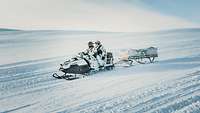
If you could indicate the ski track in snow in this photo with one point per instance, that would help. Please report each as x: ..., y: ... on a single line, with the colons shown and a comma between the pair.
x: 181, y: 94
x: 171, y: 84
x: 163, y: 97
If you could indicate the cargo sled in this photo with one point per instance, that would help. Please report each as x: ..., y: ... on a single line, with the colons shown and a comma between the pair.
x: 141, y: 56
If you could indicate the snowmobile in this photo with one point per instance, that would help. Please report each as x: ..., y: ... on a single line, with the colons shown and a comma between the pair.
x: 80, y: 66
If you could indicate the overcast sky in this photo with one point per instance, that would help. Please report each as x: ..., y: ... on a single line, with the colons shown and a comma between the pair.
x: 100, y: 15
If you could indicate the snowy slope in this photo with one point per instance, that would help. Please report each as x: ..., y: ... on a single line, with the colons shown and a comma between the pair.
x: 28, y: 59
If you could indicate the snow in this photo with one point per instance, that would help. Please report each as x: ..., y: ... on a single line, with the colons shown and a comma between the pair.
x: 29, y: 58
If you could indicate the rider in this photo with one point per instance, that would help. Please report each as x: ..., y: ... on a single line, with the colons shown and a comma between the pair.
x: 100, y: 53
x: 91, y: 54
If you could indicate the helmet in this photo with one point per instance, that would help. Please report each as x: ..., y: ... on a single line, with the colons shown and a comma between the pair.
x: 98, y: 42
x: 90, y: 44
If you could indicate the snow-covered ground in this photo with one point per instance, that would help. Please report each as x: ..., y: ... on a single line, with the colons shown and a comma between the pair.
x: 28, y: 59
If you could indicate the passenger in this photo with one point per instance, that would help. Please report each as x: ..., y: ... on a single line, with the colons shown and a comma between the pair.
x: 100, y: 53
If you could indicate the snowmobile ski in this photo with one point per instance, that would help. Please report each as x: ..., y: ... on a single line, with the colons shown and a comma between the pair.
x: 66, y: 76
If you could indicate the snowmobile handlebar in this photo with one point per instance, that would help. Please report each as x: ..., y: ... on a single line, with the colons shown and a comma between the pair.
x: 82, y: 54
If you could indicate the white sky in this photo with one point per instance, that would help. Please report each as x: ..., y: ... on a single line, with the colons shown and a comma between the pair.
x: 84, y: 15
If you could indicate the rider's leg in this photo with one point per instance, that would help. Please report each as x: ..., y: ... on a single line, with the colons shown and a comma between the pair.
x: 94, y: 64
x: 100, y: 61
